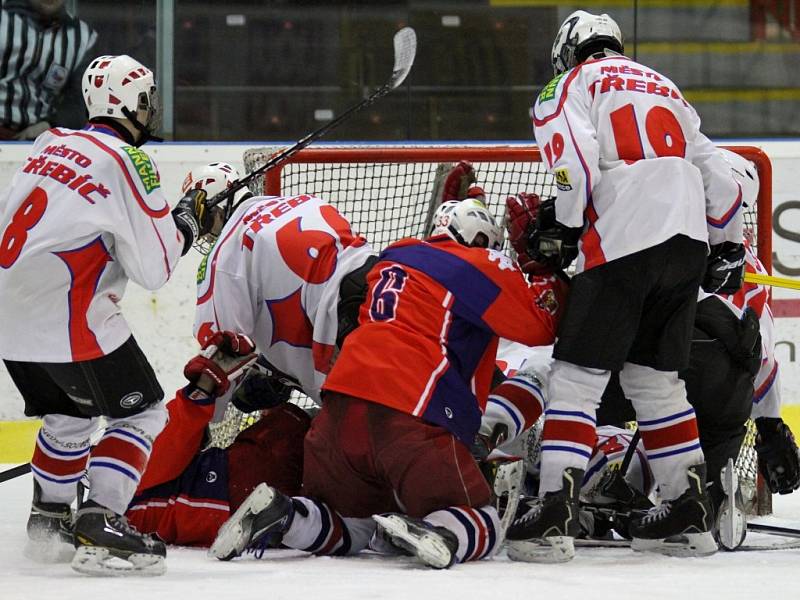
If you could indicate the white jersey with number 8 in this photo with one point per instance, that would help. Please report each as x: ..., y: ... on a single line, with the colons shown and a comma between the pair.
x: 274, y: 274
x: 84, y: 214
x: 630, y: 162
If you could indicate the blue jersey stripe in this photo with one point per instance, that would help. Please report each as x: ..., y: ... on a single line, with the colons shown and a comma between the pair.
x: 473, y: 291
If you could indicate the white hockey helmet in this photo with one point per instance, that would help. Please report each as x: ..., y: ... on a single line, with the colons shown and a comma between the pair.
x: 744, y: 172
x: 214, y: 178
x: 471, y: 224
x: 441, y: 218
x: 119, y: 87
x: 581, y: 32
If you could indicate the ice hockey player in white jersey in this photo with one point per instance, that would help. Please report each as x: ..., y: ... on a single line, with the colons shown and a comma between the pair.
x: 286, y: 271
x: 82, y: 216
x: 641, y: 195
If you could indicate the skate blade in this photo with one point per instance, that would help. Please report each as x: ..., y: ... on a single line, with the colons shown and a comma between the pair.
x: 429, y: 548
x: 683, y: 545
x: 99, y: 562
x: 48, y: 551
x: 552, y: 549
x: 732, y: 519
x: 233, y: 536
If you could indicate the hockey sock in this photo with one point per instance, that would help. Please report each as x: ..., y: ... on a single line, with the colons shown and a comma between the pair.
x: 117, y: 462
x: 518, y: 403
x: 476, y: 529
x: 668, y: 425
x: 318, y: 529
x: 569, y: 431
x: 59, y: 460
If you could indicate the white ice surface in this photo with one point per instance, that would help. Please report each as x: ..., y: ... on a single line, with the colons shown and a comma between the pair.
x: 614, y: 574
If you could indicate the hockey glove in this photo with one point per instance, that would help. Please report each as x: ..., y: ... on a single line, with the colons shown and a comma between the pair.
x: 192, y: 217
x: 778, y: 455
x: 458, y: 181
x: 482, y: 447
x: 521, y: 213
x: 263, y: 387
x: 224, y: 358
x: 724, y: 269
x: 550, y: 243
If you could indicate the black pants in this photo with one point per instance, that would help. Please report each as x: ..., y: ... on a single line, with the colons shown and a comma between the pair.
x: 725, y: 355
x: 639, y: 308
x: 116, y: 385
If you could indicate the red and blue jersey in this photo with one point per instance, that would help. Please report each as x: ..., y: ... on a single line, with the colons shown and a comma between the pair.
x: 429, y: 330
x: 183, y: 495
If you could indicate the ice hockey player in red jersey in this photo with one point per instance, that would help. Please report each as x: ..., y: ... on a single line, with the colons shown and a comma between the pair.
x: 82, y: 216
x: 191, y: 487
x: 641, y: 195
x: 403, y: 403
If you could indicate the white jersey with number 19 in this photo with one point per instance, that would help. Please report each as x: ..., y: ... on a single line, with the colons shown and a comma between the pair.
x: 274, y: 274
x: 630, y: 162
x: 84, y: 214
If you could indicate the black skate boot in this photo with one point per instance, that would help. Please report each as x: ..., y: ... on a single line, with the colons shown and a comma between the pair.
x: 545, y: 528
x: 108, y: 545
x: 434, y: 546
x: 50, y: 530
x: 681, y: 527
x: 261, y: 520
x: 731, y: 522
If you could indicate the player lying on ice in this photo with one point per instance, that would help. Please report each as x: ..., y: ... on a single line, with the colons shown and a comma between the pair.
x: 402, y: 404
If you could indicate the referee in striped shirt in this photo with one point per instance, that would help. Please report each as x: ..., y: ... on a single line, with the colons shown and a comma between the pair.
x: 43, y: 53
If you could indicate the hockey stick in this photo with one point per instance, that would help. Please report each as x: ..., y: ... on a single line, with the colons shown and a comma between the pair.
x: 631, y: 450
x: 774, y: 530
x: 771, y: 280
x: 15, y: 472
x: 405, y: 49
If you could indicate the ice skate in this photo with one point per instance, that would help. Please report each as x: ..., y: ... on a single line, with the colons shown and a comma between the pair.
x: 546, y: 531
x: 107, y: 545
x: 681, y: 527
x: 50, y: 530
x: 265, y: 511
x: 731, y: 523
x: 434, y: 546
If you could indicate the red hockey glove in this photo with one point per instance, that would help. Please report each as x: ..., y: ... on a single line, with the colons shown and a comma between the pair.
x: 458, y: 181
x: 521, y: 211
x: 224, y: 358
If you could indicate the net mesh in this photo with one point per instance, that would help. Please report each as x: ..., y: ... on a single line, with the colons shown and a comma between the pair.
x: 391, y: 192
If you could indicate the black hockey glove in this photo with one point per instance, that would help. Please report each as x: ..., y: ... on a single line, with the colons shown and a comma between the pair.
x: 778, y: 455
x: 264, y: 387
x: 724, y: 269
x: 192, y: 217
x: 482, y: 447
x: 551, y: 243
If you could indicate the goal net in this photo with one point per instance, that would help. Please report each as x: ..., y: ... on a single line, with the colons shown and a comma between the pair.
x: 388, y: 192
